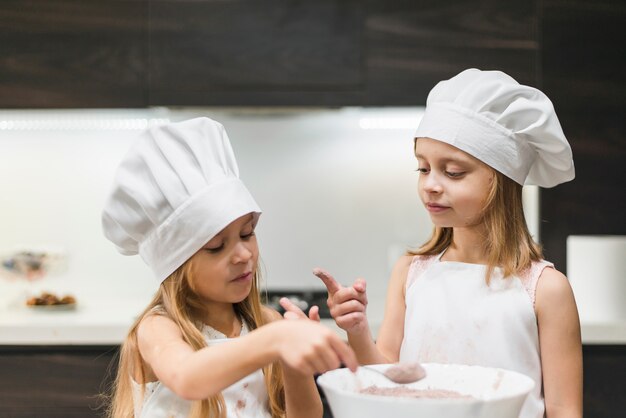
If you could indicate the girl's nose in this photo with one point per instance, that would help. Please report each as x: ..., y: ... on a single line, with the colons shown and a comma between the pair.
x: 431, y: 183
x: 241, y: 253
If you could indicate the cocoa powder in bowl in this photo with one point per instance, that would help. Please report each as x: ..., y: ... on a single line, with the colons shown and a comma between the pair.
x: 406, y: 392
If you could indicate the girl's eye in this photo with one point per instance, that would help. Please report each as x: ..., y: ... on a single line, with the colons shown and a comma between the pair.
x: 215, y: 250
x: 454, y: 174
x: 247, y: 236
x: 422, y: 170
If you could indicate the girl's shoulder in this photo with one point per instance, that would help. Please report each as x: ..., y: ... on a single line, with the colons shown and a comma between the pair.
x: 402, y: 266
x: 421, y: 261
x: 417, y: 264
x: 270, y: 314
x: 543, y: 281
x: 402, y: 271
x: 156, y: 325
x: 412, y: 261
x: 552, y: 284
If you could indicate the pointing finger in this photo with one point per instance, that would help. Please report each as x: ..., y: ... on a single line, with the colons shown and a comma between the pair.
x: 329, y: 281
x: 291, y: 310
x: 346, y: 355
x: 291, y: 315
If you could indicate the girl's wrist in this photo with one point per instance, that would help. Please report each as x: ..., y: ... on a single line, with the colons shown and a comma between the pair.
x: 272, y: 335
x: 361, y: 342
x: 362, y: 329
x: 360, y: 334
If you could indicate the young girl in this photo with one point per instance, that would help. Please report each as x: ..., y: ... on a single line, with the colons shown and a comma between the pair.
x: 478, y: 292
x: 198, y: 348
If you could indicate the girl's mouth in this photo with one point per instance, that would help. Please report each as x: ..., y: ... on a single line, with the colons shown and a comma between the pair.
x: 435, y: 208
x: 246, y: 277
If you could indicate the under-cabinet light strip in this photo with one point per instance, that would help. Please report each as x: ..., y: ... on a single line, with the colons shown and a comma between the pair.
x: 388, y: 123
x: 80, y: 124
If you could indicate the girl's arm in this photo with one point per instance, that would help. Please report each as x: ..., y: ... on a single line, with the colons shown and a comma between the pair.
x: 391, y: 331
x: 302, y: 400
x: 560, y: 345
x: 348, y: 304
x: 302, y: 345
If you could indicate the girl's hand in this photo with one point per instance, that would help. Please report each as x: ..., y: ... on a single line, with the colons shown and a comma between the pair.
x: 292, y: 311
x: 311, y: 348
x: 347, y: 304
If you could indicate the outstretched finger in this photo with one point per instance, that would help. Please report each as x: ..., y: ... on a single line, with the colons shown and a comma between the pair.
x: 329, y: 281
x: 346, y: 354
x: 314, y: 313
x: 291, y: 310
x: 291, y: 315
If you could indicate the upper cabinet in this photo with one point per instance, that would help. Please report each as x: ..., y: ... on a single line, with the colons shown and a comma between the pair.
x: 256, y: 52
x: 73, y: 53
x: 135, y: 53
x: 411, y: 45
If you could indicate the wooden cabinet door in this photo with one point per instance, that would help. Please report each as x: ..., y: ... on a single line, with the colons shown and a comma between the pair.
x: 73, y: 53
x: 412, y: 45
x: 136, y: 53
x: 54, y: 382
x: 255, y: 52
x: 331, y: 52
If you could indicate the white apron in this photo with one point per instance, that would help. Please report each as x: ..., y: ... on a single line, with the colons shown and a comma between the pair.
x: 452, y: 316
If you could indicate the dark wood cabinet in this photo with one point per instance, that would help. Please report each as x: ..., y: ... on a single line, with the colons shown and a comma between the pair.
x: 136, y: 53
x: 412, y: 45
x: 330, y: 52
x: 604, y: 367
x: 583, y: 73
x: 73, y: 53
x: 255, y: 52
x: 68, y: 381
x: 55, y: 382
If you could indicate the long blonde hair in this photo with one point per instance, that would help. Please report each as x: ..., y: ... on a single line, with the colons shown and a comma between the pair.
x: 177, y: 300
x: 507, y: 242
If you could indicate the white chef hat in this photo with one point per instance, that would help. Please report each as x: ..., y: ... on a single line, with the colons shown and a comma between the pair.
x: 511, y: 127
x: 176, y: 188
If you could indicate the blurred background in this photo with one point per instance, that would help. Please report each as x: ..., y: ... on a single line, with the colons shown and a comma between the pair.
x: 320, y: 100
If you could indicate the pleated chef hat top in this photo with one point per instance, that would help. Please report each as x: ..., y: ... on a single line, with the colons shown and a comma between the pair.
x: 177, y: 187
x: 510, y: 127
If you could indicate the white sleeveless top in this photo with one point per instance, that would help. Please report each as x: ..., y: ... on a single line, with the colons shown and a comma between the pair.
x: 246, y: 398
x: 452, y: 316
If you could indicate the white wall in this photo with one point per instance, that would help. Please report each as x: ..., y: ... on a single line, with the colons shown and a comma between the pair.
x: 335, y: 194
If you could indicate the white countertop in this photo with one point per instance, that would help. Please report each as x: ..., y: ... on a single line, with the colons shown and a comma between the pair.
x: 99, y: 324
x: 88, y: 324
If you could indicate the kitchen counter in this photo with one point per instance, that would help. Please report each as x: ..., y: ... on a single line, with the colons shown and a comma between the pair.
x: 91, y: 323
x: 100, y: 324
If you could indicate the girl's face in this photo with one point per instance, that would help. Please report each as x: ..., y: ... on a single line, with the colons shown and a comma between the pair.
x: 224, y: 268
x: 453, y: 185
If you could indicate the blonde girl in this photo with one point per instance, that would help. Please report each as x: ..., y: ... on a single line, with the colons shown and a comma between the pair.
x: 479, y: 291
x: 205, y: 346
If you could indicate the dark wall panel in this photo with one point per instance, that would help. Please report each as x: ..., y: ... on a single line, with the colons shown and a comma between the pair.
x: 411, y: 45
x: 583, y: 73
x: 81, y: 53
x: 134, y: 53
x: 254, y: 52
x: 51, y: 382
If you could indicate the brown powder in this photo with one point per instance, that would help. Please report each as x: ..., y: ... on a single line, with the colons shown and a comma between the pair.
x: 406, y: 392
